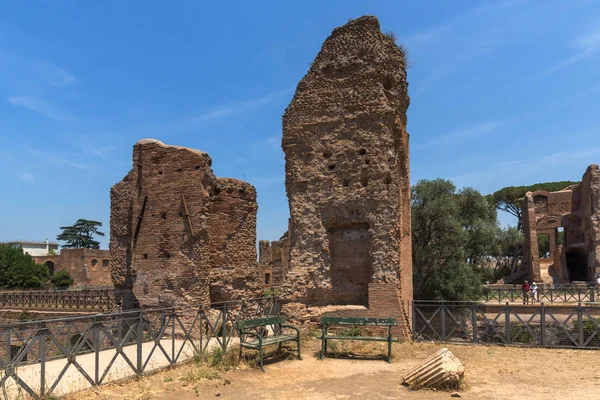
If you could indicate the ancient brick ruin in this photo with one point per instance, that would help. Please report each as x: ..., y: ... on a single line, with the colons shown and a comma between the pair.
x: 179, y: 235
x: 347, y: 175
x: 87, y: 267
x: 575, y: 209
x: 274, y: 260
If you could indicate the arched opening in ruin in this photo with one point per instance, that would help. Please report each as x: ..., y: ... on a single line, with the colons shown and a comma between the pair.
x: 50, y: 266
x: 577, y: 264
x: 350, y: 264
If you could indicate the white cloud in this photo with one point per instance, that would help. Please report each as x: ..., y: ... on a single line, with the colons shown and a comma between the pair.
x: 27, y: 176
x: 55, y: 159
x: 53, y: 74
x: 585, y: 46
x: 462, y: 134
x: 6, y: 157
x: 236, y: 108
x: 40, y: 106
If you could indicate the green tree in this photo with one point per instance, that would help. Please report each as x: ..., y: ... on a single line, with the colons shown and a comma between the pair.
x: 454, y: 235
x: 18, y: 270
x: 508, y: 199
x: 81, y: 234
x: 62, y: 279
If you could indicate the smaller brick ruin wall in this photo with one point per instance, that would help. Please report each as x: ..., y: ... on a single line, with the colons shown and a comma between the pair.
x: 179, y: 235
x: 273, y: 260
x: 88, y: 267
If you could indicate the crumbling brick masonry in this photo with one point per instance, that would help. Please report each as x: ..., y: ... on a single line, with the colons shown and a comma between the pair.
x: 347, y: 175
x: 179, y: 235
x: 577, y: 210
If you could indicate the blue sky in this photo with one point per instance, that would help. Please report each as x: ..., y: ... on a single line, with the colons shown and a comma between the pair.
x: 502, y: 93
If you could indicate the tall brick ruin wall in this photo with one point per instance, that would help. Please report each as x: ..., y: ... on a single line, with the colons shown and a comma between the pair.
x: 179, y: 235
x: 347, y: 173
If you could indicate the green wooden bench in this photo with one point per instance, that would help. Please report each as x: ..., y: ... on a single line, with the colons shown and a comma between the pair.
x: 326, y: 322
x: 258, y: 341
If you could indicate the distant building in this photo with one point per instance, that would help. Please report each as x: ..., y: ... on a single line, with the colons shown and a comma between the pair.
x: 36, y: 248
x: 87, y: 267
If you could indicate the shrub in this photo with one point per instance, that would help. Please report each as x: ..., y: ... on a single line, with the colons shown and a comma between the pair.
x: 62, y: 279
x: 19, y: 271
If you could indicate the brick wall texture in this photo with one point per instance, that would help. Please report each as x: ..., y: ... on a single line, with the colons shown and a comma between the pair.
x: 347, y: 174
x: 179, y: 235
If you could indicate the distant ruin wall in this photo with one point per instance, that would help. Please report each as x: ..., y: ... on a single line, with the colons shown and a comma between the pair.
x: 87, y: 267
x: 177, y: 231
x: 576, y: 209
x: 347, y: 172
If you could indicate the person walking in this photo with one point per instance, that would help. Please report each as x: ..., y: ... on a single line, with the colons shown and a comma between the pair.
x: 525, y: 288
x: 533, y: 291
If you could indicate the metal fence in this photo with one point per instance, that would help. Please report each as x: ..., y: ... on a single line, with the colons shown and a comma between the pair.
x: 69, y: 354
x: 562, y: 294
x: 94, y: 299
x: 567, y: 326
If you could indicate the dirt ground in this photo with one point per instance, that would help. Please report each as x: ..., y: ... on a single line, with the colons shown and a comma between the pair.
x: 491, y: 373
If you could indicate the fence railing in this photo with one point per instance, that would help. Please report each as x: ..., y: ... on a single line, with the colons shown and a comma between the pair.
x: 60, y: 356
x: 94, y: 299
x: 550, y: 295
x: 570, y: 326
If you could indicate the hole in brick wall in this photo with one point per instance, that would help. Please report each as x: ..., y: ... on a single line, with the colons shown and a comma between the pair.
x: 362, y: 152
x: 105, y: 263
x: 179, y: 169
x: 197, y: 167
x: 267, y: 278
x: 387, y: 179
x: 145, y: 256
x: 180, y: 214
x: 242, y: 191
x: 367, y: 161
x: 388, y: 83
x: 165, y: 254
x: 331, y: 167
x: 326, y: 154
x: 364, y: 182
x: 163, y: 215
x: 94, y: 262
x: 216, y: 191
x: 160, y: 172
x: 345, y: 182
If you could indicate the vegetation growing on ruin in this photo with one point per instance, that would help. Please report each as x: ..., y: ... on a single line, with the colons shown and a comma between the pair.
x: 80, y: 235
x: 18, y: 270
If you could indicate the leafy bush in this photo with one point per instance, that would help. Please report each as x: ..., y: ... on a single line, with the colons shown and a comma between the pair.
x: 18, y: 270
x: 62, y: 279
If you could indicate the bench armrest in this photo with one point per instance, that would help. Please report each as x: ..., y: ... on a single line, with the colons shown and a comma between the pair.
x: 292, y: 327
x: 243, y: 332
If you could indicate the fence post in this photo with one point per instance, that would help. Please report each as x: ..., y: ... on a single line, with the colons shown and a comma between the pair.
x: 173, y: 335
x: 96, y: 344
x: 224, y: 328
x: 592, y: 294
x: 140, y: 333
x: 443, y: 322
x: 42, y: 339
x: 507, y: 323
x: 474, y: 323
x: 580, y: 324
x: 543, y: 324
x: 414, y: 326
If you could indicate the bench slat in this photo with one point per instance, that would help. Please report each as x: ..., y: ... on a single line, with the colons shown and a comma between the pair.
x: 370, y: 338
x: 253, y: 323
x: 269, y: 340
x: 358, y: 321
